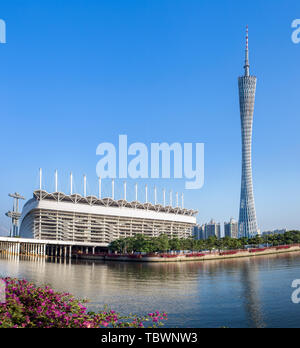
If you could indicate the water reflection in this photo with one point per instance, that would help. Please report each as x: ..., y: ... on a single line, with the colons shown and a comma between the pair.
x: 231, y: 292
x: 250, y: 281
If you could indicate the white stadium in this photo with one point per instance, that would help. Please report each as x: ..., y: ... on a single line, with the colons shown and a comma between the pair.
x: 91, y: 219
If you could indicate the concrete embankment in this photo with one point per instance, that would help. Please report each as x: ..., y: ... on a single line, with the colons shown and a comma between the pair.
x: 191, y: 257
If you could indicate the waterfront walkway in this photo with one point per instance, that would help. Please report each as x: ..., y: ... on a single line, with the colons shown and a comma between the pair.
x: 215, y: 255
x: 98, y: 251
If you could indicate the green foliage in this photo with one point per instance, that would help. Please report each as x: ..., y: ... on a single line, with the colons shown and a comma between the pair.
x: 162, y: 243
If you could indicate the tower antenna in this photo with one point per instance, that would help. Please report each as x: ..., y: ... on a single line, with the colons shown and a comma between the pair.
x: 247, y: 66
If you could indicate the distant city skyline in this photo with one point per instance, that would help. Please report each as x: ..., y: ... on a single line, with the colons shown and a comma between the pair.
x: 81, y: 74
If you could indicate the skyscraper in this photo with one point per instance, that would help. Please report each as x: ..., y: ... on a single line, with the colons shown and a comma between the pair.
x: 247, y: 87
x: 199, y: 232
x: 231, y: 229
x: 212, y: 229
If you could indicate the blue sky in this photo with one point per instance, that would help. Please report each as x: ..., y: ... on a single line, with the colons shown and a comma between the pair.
x: 78, y: 73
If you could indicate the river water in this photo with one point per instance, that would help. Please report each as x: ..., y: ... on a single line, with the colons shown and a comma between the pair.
x: 246, y: 292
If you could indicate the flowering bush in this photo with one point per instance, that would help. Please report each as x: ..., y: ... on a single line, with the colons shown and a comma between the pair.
x: 168, y: 255
x: 29, y: 306
x: 195, y: 255
x: 134, y: 256
x: 257, y: 250
x: 283, y: 247
x: 231, y: 252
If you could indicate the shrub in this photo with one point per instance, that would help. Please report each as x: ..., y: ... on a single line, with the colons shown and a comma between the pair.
x: 29, y: 306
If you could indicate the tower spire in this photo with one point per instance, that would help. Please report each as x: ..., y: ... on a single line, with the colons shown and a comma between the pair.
x: 247, y: 87
x: 247, y: 66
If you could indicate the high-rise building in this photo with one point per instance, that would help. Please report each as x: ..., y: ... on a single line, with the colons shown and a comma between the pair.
x: 247, y: 87
x: 231, y: 229
x: 282, y: 231
x: 212, y: 229
x: 199, y: 232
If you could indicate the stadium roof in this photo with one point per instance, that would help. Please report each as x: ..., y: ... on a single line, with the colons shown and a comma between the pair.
x: 109, y: 202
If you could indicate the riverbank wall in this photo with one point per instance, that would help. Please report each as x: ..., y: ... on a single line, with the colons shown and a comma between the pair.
x: 192, y: 256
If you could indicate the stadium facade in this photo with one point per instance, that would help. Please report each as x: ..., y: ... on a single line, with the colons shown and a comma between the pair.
x: 91, y: 219
x: 247, y: 87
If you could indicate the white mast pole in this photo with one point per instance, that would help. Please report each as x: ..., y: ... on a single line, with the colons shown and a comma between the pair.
x: 99, y: 187
x: 56, y: 180
x: 170, y: 203
x: 125, y: 191
x: 155, y: 195
x: 40, y: 178
x: 182, y: 201
x: 84, y: 185
x: 136, y: 192
x: 113, y: 188
x: 164, y: 197
x: 146, y: 193
x: 71, y: 183
x: 176, y: 199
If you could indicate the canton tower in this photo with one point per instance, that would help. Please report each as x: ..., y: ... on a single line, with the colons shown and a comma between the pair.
x: 247, y: 87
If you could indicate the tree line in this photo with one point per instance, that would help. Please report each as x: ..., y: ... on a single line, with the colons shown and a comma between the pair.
x: 162, y: 243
